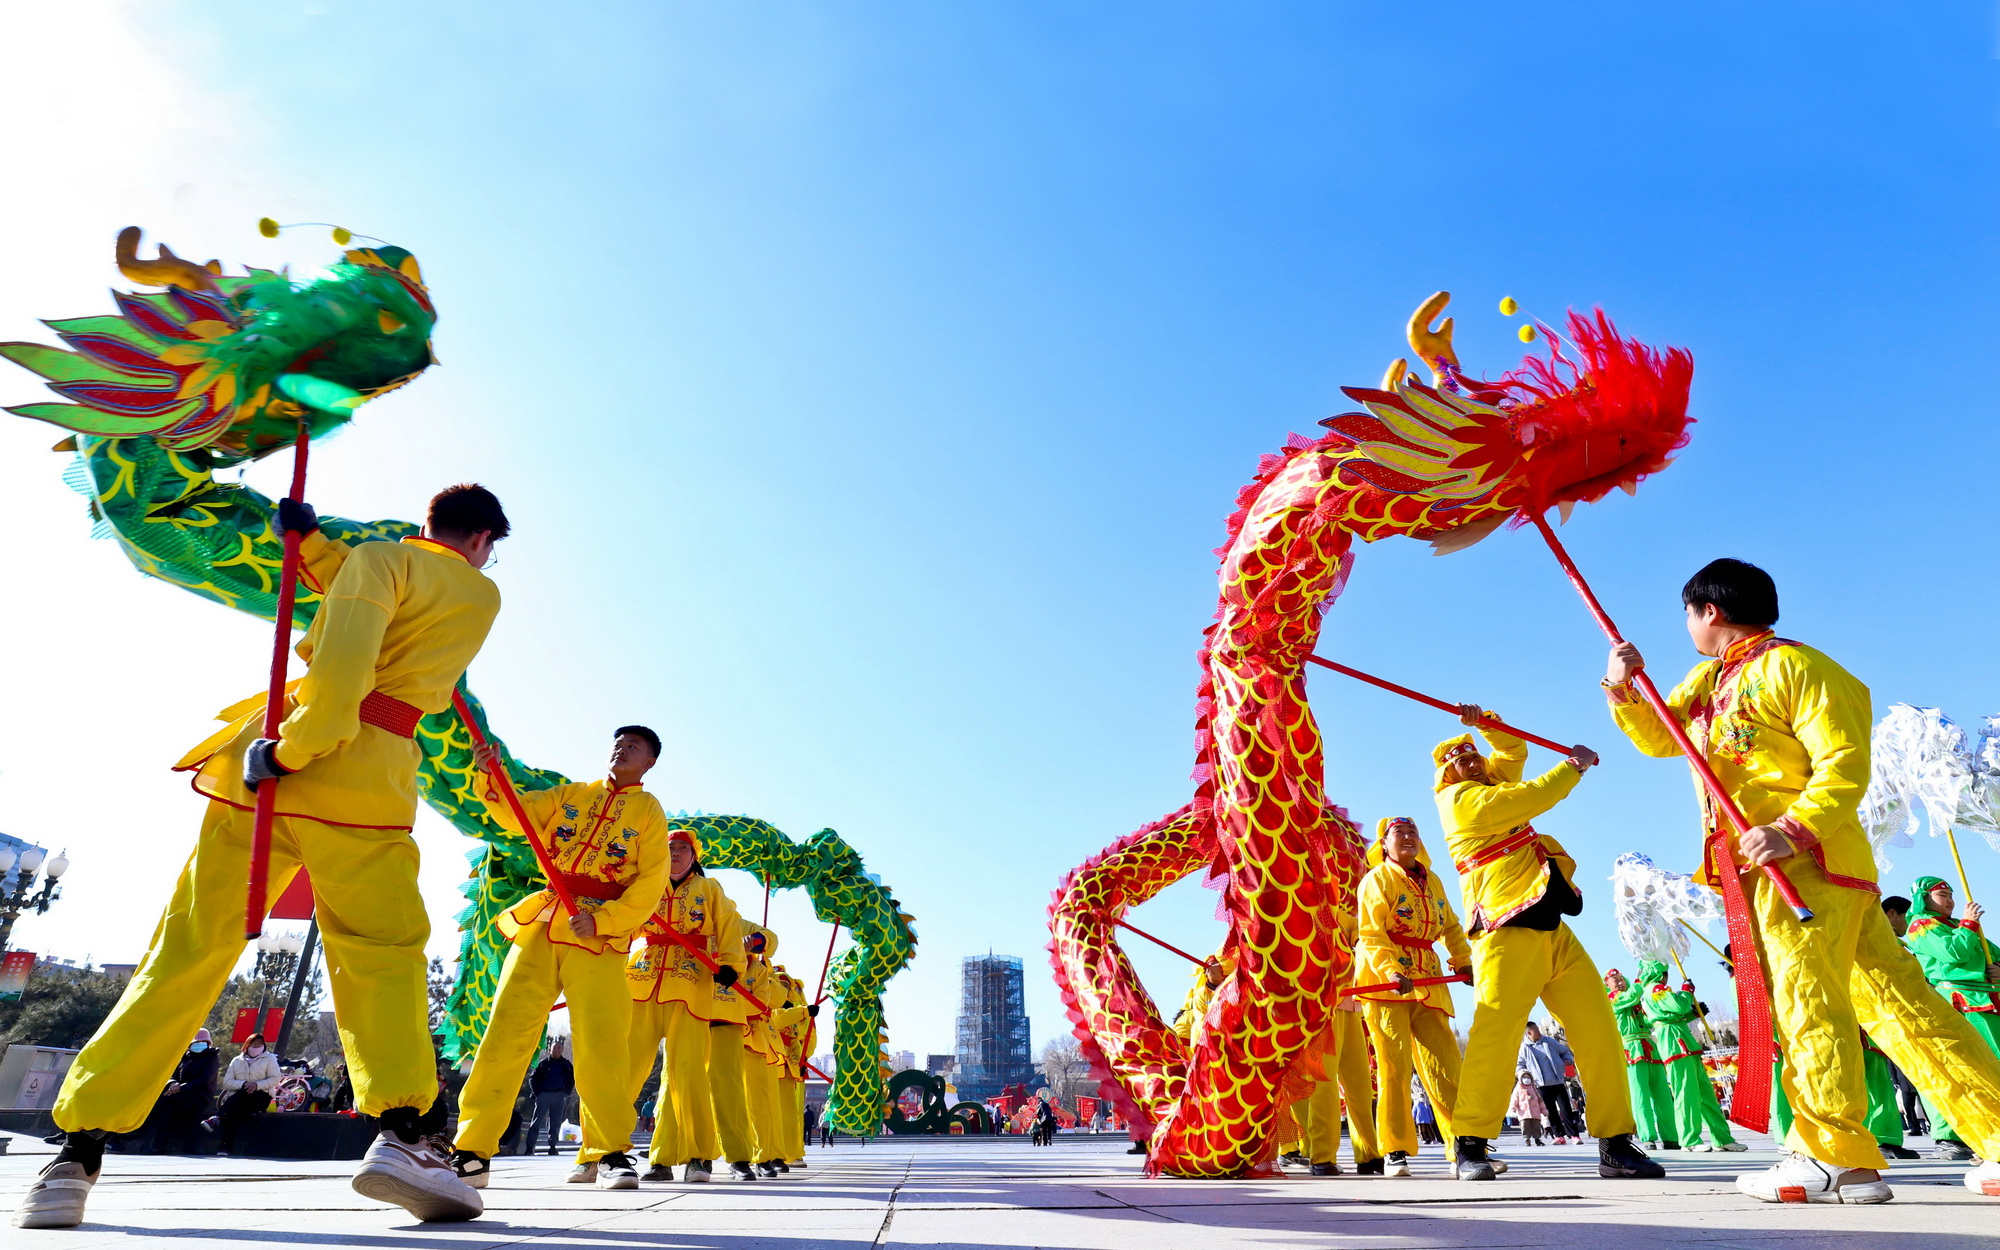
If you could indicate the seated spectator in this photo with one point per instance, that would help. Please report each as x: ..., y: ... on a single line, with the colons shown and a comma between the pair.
x: 246, y: 1089
x: 188, y: 1097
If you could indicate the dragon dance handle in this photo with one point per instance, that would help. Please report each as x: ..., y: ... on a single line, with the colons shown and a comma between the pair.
x: 1716, y: 789
x: 701, y: 956
x: 1457, y: 978
x: 513, y: 797
x: 256, y: 901
x: 1485, y: 722
x: 1198, y: 962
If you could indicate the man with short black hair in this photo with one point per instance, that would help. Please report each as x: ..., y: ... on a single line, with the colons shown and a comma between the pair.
x: 1787, y: 731
x: 394, y: 631
x: 608, y: 840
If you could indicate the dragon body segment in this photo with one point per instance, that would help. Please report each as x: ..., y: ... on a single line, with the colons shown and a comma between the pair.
x: 218, y: 370
x: 1447, y: 462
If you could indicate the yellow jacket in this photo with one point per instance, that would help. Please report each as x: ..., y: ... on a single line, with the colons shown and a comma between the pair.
x: 1786, y: 730
x: 1194, y: 1009
x: 663, y: 971
x: 788, y: 1021
x: 1503, y: 869
x: 761, y: 1031
x: 1401, y: 919
x: 402, y: 618
x: 616, y: 836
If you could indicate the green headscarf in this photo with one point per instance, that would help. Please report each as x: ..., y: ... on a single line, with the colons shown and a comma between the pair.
x: 1652, y: 972
x: 1920, y: 898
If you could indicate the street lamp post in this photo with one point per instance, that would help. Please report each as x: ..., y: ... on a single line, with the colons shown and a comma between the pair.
x: 29, y: 863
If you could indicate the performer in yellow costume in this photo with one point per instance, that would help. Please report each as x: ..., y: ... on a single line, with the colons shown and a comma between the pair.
x: 1402, y: 912
x: 1786, y: 729
x: 1350, y: 1078
x: 398, y: 626
x: 1517, y: 887
x: 726, y: 1015
x: 791, y: 1080
x: 609, y: 843
x: 763, y: 1057
x: 667, y: 985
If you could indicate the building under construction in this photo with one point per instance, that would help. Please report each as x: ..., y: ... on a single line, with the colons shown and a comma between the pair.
x: 992, y: 1029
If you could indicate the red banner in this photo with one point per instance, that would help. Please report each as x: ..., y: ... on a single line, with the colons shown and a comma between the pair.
x: 246, y: 1024
x: 1086, y: 1109
x: 14, y: 971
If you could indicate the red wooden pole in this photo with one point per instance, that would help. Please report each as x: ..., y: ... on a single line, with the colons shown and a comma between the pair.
x: 507, y: 791
x: 1666, y: 714
x: 256, y: 902
x: 1464, y: 978
x: 826, y: 965
x: 1485, y: 722
x: 1157, y: 942
x: 1751, y: 1105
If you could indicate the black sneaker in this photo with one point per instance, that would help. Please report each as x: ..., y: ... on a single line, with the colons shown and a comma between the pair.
x: 659, y: 1173
x: 617, y: 1171
x: 1369, y: 1167
x: 1326, y: 1169
x: 781, y: 1165
x: 1670, y: 1145
x: 1898, y: 1152
x: 741, y: 1171
x: 767, y: 1171
x: 1138, y: 1148
x: 471, y: 1169
x: 1293, y: 1158
x: 1397, y: 1164
x: 1953, y: 1150
x: 1619, y: 1158
x: 1471, y: 1161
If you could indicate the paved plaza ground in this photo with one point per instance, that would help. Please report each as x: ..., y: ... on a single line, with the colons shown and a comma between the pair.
x: 1079, y: 1195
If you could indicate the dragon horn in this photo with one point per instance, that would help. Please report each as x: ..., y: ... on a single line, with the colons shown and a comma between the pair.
x: 1393, y: 376
x: 167, y: 270
x: 1433, y: 347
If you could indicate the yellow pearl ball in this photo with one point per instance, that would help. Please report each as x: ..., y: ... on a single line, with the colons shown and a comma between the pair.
x: 1527, y: 334
x: 342, y: 235
x: 1508, y: 307
x: 268, y: 227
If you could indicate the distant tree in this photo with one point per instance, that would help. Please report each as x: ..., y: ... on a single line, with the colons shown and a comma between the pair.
x: 441, y: 982
x: 60, y: 1006
x: 1065, y: 1071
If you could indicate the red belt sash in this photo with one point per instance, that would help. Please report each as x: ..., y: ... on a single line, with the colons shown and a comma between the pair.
x: 1521, y: 838
x: 592, y: 887
x: 1416, y: 944
x: 388, y: 712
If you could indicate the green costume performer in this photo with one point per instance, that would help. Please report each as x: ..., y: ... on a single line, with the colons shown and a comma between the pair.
x: 1669, y: 1011
x: 1957, y: 958
x: 1645, y: 1075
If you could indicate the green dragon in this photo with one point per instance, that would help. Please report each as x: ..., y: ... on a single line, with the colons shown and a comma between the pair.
x: 215, y: 371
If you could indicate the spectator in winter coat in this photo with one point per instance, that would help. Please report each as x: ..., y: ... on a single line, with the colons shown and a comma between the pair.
x: 246, y: 1089
x: 190, y: 1095
x: 1548, y: 1060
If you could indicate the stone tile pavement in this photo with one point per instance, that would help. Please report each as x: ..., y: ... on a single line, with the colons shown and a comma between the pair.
x: 1083, y: 1194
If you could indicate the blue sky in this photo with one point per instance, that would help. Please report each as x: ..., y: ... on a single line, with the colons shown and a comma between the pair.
x: 869, y: 384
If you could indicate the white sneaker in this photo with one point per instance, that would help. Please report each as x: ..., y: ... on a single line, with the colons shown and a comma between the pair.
x: 1802, y: 1178
x: 416, y: 1179
x: 1733, y: 1147
x: 1702, y: 1147
x: 583, y: 1174
x: 56, y: 1198
x: 1984, y: 1179
x: 1397, y: 1164
x: 615, y: 1171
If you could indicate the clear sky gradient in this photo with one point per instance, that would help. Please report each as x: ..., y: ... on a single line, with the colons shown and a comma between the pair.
x: 869, y: 383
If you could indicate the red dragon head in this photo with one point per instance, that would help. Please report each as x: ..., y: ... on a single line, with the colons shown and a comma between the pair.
x: 1452, y: 460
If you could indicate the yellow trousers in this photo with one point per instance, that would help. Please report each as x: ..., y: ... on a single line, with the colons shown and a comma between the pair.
x: 760, y: 1082
x: 371, y: 919
x: 1840, y: 974
x: 1407, y: 1034
x: 732, y: 1098
x: 1511, y: 968
x: 794, y: 1112
x: 537, y: 974
x: 1357, y: 1086
x: 683, y: 1114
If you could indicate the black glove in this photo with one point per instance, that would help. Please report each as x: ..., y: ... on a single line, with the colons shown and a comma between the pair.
x: 812, y: 1009
x: 725, y: 976
x: 296, y: 516
x: 260, y: 762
